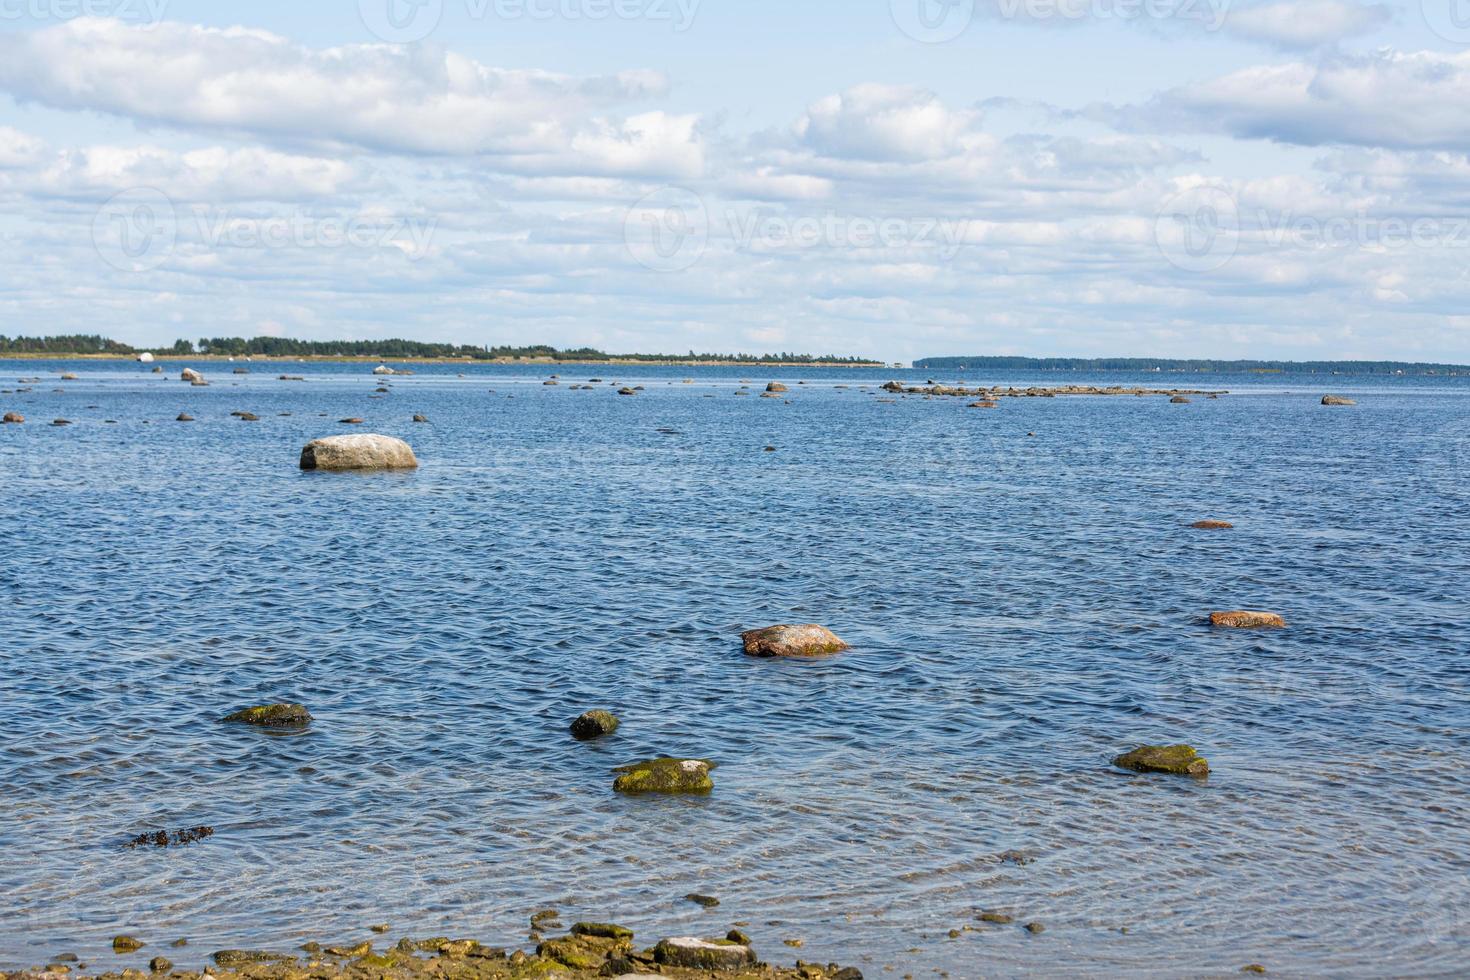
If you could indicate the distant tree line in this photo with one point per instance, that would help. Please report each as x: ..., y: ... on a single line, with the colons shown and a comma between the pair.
x: 386, y: 349
x: 1137, y: 364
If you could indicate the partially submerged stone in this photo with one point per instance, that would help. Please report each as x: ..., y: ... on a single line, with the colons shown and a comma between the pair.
x: 1173, y: 760
x: 594, y: 724
x: 1337, y: 400
x: 190, y: 375
x: 703, y: 954
x: 776, y: 386
x: 126, y: 944
x: 1212, y: 525
x: 358, y: 452
x: 245, y: 957
x: 809, y: 640
x: 179, y: 838
x: 601, y: 930
x: 272, y: 716
x: 1243, y: 619
x: 14, y: 418
x: 665, y: 776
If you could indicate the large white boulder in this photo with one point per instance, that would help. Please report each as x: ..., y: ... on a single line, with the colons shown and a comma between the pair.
x: 358, y: 452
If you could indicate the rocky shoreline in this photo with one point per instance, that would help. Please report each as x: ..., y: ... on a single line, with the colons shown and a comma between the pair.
x: 588, y: 949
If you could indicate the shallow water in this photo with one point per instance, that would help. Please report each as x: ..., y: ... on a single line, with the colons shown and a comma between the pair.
x: 1021, y: 608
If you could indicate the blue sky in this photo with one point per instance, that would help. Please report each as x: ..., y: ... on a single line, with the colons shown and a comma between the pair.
x: 896, y: 178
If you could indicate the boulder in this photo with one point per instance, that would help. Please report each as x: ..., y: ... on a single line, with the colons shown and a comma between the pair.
x: 601, y: 930
x: 1173, y: 760
x: 1335, y: 400
x: 665, y: 776
x: 359, y: 452
x: 985, y: 404
x: 247, y: 417
x: 594, y: 724
x: 776, y: 386
x: 1245, y: 619
x: 383, y: 369
x: 350, y: 421
x: 126, y: 944
x: 1212, y: 526
x: 184, y: 418
x: 421, y: 419
x: 69, y: 377
x: 703, y: 954
x: 14, y: 418
x: 1178, y: 400
x: 271, y: 716
x: 627, y: 391
x: 241, y: 371
x: 190, y: 375
x: 792, y: 641
x: 160, y: 964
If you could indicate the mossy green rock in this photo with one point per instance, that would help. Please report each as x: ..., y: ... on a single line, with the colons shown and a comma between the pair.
x: 1173, y: 760
x: 601, y: 930
x: 703, y: 954
x: 232, y: 958
x: 272, y: 716
x: 594, y: 724
x: 665, y: 776
x: 126, y: 944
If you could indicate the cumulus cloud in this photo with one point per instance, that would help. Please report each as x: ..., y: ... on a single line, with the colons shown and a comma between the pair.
x: 1305, y: 23
x: 1401, y: 100
x: 885, y: 122
x: 391, y: 99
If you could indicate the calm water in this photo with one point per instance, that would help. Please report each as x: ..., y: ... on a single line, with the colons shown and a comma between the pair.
x: 1021, y: 608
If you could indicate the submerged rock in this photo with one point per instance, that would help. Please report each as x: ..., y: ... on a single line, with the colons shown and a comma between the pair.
x: 665, y: 776
x: 14, y: 418
x: 707, y: 901
x: 1245, y: 619
x: 809, y: 640
x: 421, y: 419
x: 246, y: 957
x: 1174, y: 760
x: 1212, y: 526
x: 272, y: 716
x: 179, y: 838
x: 358, y: 452
x: 1179, y: 400
x: 594, y: 724
x: 1336, y: 400
x: 703, y: 954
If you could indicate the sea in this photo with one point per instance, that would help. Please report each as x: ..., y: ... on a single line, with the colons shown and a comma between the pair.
x: 1021, y: 588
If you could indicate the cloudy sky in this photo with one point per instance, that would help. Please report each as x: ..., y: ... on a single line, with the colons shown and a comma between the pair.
x: 893, y: 178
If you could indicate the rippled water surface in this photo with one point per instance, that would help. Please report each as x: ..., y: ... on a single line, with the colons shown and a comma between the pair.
x: 1021, y: 608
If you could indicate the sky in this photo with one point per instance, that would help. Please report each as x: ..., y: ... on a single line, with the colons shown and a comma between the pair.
x: 886, y: 178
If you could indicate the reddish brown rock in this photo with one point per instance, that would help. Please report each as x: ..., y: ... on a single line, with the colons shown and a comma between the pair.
x: 1245, y: 619
x: 808, y: 640
x: 1212, y: 526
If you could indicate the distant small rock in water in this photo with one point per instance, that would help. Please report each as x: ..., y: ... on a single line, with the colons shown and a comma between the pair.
x: 271, y: 716
x: 179, y: 838
x: 69, y: 377
x: 776, y: 386
x: 421, y: 419
x: 61, y: 422
x: 190, y: 375
x: 160, y: 964
x: 707, y: 901
x: 350, y: 421
x: 594, y: 724
x: 14, y: 418
x: 241, y: 370
x: 808, y: 640
x: 126, y: 944
x: 1179, y: 400
x: 358, y: 452
x: 383, y: 369
x: 627, y: 391
x: 1212, y: 526
x: 1245, y: 619
x: 184, y: 418
x: 1173, y: 760
x: 1336, y: 400
x: 665, y: 776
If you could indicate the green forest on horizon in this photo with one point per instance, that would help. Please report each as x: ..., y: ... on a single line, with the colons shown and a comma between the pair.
x: 1150, y: 364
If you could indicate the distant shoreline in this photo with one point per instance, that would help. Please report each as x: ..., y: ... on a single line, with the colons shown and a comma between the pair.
x: 345, y: 359
x: 1155, y: 365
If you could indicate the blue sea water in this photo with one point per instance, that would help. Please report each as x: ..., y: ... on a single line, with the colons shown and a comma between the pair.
x: 1021, y: 589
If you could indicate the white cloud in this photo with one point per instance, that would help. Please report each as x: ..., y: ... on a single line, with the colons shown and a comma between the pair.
x: 1305, y: 23
x: 885, y: 122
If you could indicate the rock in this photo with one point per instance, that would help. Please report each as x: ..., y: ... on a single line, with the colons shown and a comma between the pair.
x: 179, y: 838
x: 665, y: 776
x: 594, y: 724
x: 545, y: 915
x: 1035, y: 928
x: 230, y: 958
x: 184, y: 418
x: 1173, y: 760
x: 1245, y: 619
x: 383, y: 369
x: 61, y: 422
x: 1335, y: 400
x: 179, y: 943
x: 776, y: 386
x: 1178, y: 400
x: 14, y: 418
x: 985, y: 404
x: 708, y: 901
x: 893, y: 386
x: 550, y: 384
x: 421, y: 419
x: 350, y: 421
x: 247, y: 417
x: 69, y: 377
x: 998, y: 918
x: 601, y: 930
x: 126, y: 944
x: 158, y: 370
x: 241, y: 371
x: 291, y: 377
x: 361, y: 452
x: 792, y: 641
x: 350, y: 952
x: 737, y: 937
x: 626, y: 391
x: 190, y: 375
x: 1212, y: 526
x: 160, y: 964
x: 703, y: 954
x: 272, y: 716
